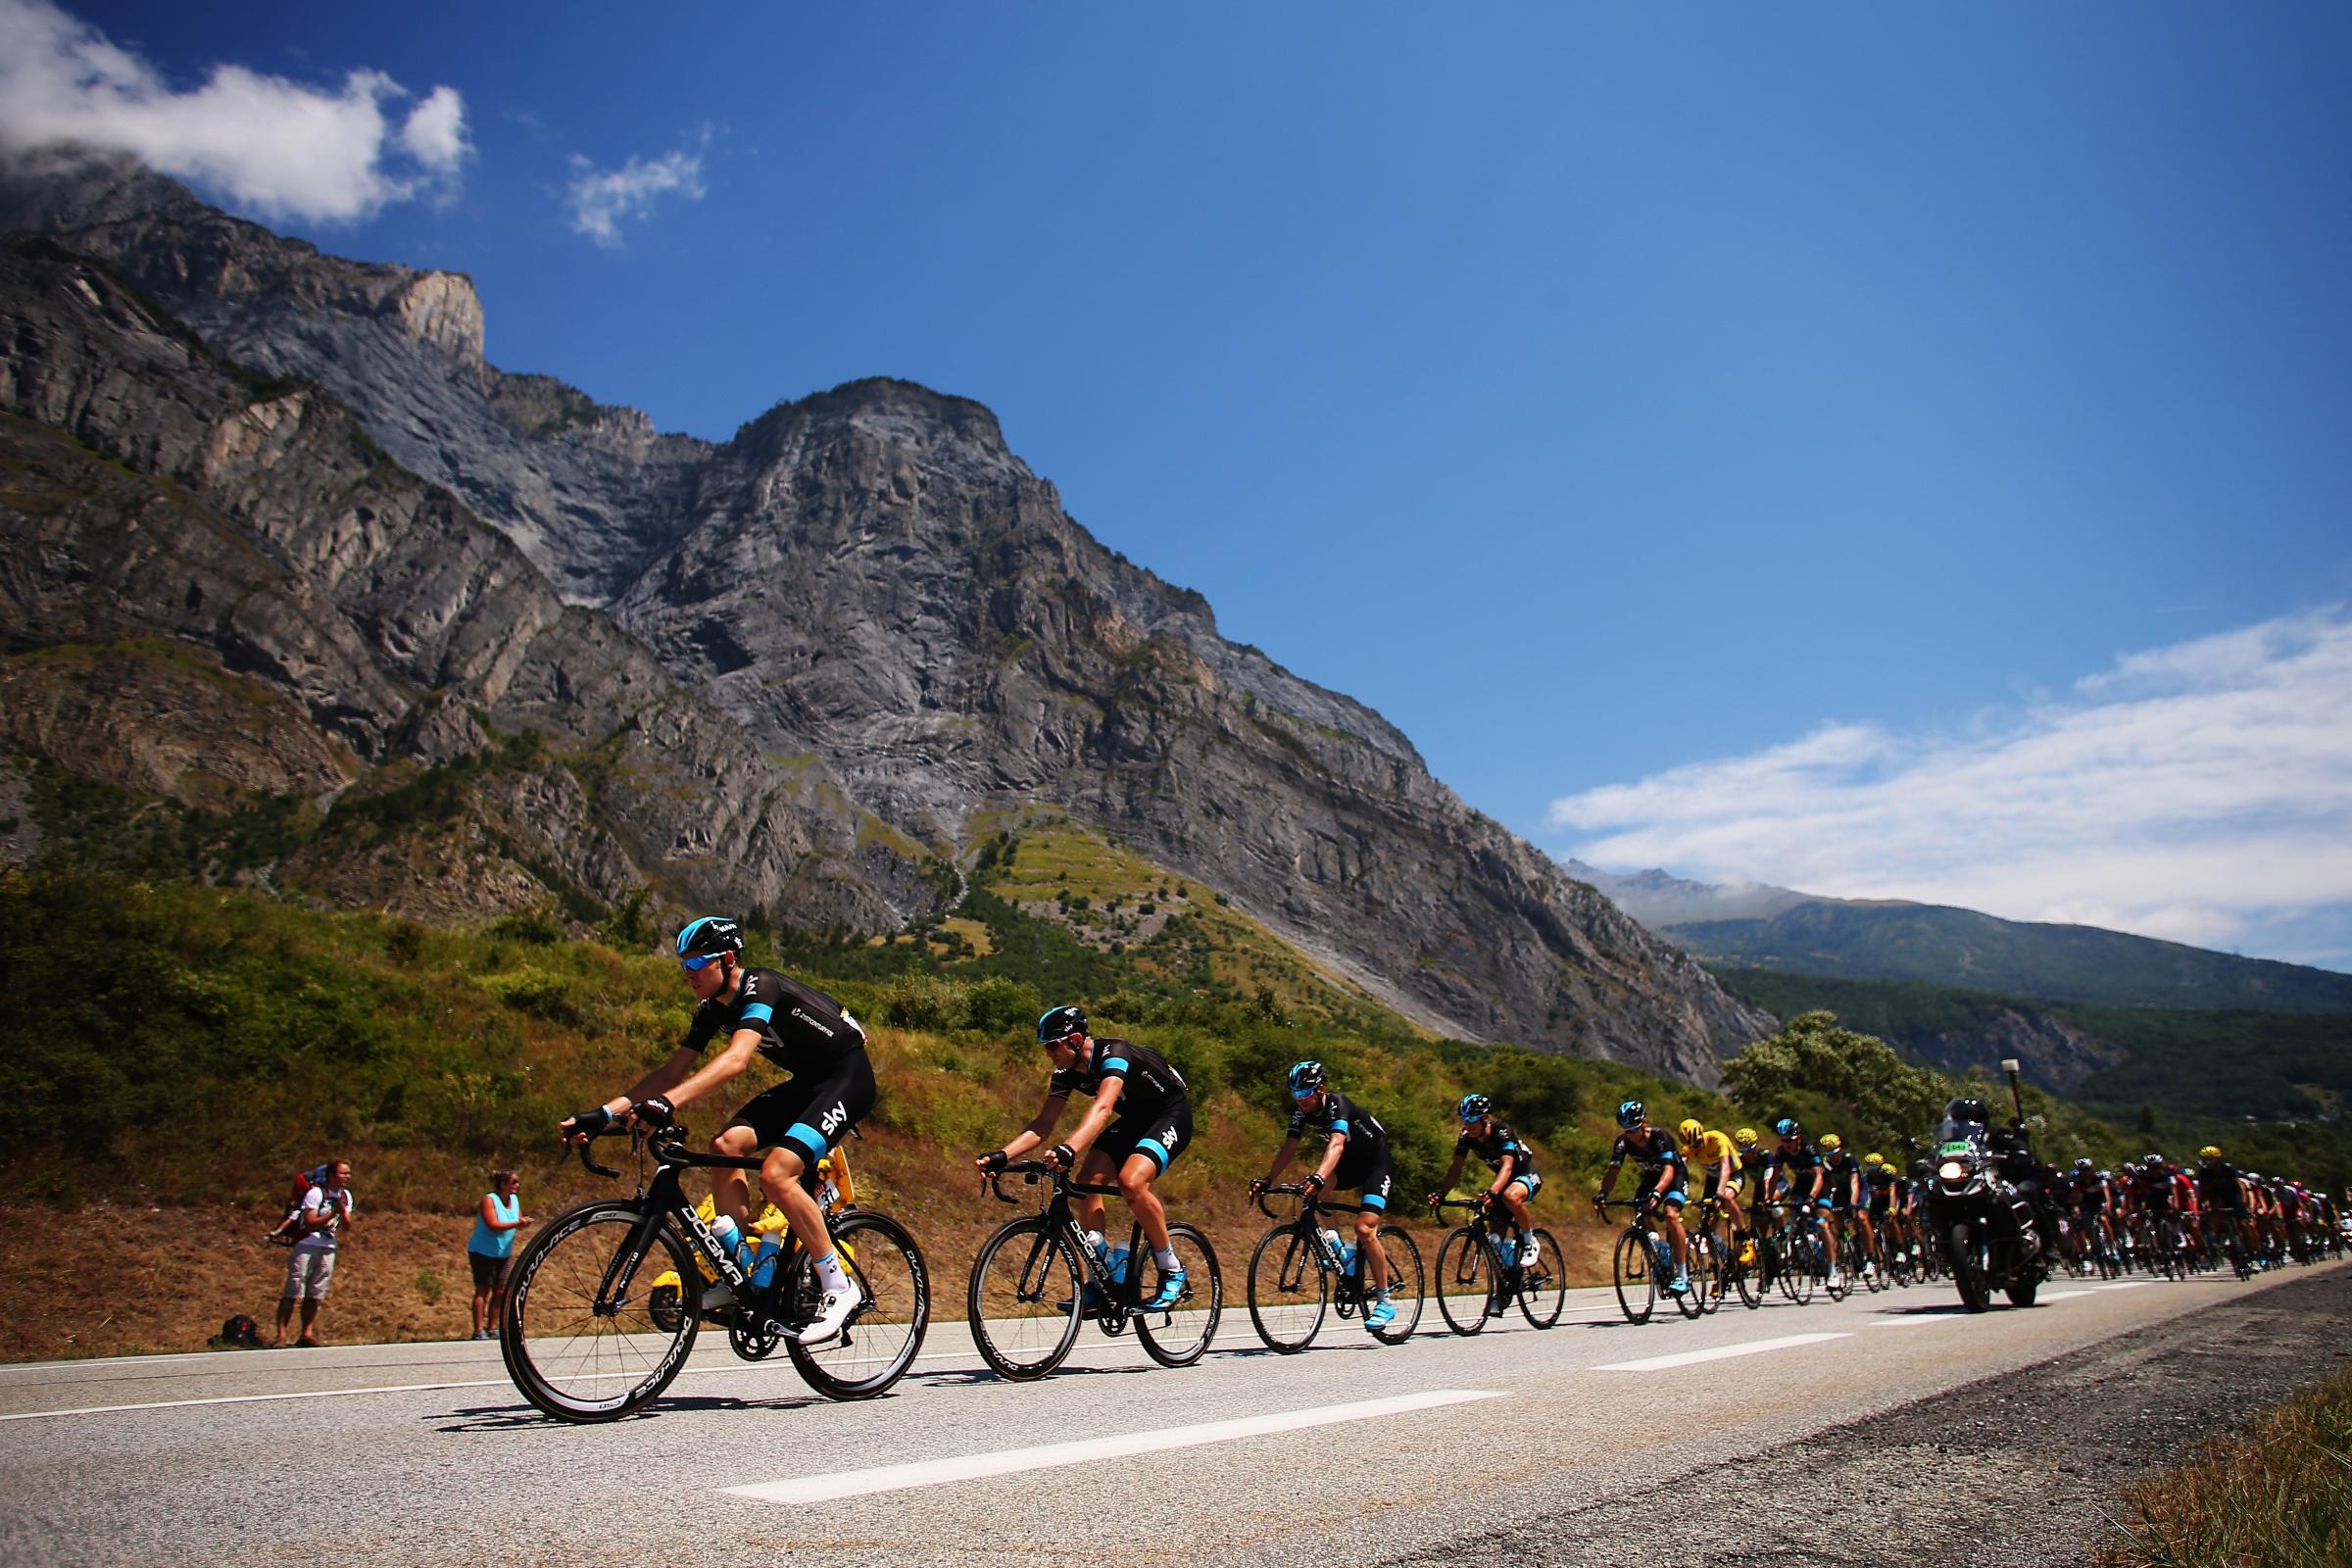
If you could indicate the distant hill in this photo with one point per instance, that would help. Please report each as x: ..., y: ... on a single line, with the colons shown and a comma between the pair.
x: 2191, y: 1069
x: 2011, y: 958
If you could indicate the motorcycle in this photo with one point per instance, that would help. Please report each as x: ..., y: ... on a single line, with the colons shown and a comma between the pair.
x: 1987, y: 1225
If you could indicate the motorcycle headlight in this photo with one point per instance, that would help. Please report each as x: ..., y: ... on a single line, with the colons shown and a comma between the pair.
x: 1952, y: 1170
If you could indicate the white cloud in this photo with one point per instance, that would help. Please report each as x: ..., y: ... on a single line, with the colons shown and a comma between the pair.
x: 601, y: 199
x: 2200, y: 793
x: 269, y: 144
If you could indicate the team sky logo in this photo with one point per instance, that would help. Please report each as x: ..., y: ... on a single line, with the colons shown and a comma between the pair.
x: 832, y: 1120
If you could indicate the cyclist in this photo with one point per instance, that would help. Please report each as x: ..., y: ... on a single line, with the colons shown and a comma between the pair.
x: 1804, y: 1187
x: 1842, y: 1185
x: 1884, y: 1184
x: 799, y: 1029
x: 1665, y: 1182
x: 2224, y: 1198
x: 1142, y: 1119
x: 1515, y: 1182
x: 1354, y: 1155
x: 1708, y: 1149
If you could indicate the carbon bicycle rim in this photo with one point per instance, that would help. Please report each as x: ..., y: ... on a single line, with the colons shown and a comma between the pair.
x: 1179, y: 1335
x: 878, y: 1344
x: 1467, y: 1280
x: 1287, y: 1290
x: 1024, y: 1305
x: 1544, y: 1283
x: 581, y: 1333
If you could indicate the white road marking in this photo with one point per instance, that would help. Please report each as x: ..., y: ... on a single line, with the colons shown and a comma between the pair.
x: 1721, y: 1352
x: 1088, y: 1450
x: 2061, y: 1295
x: 1915, y: 1320
x: 2123, y: 1285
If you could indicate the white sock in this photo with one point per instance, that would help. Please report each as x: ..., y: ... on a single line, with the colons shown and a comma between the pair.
x: 829, y: 1275
x: 1165, y: 1257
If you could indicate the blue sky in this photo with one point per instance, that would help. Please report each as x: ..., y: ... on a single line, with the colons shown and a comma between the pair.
x: 1618, y: 401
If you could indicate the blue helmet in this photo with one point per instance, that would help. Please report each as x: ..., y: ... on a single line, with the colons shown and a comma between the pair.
x: 1787, y: 1127
x: 1472, y: 1108
x: 1060, y: 1023
x: 1306, y: 1078
x: 1629, y: 1113
x: 713, y: 933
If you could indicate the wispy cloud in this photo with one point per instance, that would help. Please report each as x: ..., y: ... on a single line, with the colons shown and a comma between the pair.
x: 603, y: 199
x: 2200, y: 792
x: 270, y: 145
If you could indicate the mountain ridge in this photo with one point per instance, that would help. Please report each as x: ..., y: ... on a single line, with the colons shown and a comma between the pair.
x: 903, y: 630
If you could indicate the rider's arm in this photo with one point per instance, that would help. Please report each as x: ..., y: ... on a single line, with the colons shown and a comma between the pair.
x: 1333, y: 1153
x: 1281, y: 1159
x: 680, y: 1082
x: 1608, y: 1178
x: 1048, y: 1117
x: 1099, y: 1115
x: 1502, y: 1172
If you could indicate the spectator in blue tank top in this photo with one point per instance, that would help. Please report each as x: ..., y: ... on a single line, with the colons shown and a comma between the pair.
x: 493, y: 1248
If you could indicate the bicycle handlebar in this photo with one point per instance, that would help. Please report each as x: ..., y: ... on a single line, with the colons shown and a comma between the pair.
x: 1296, y: 1190
x: 1029, y: 1170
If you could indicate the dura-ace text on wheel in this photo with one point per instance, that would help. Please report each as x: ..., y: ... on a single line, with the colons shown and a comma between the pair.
x: 584, y: 1338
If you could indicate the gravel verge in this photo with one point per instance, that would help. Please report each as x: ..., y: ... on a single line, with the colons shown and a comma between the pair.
x: 2022, y: 1469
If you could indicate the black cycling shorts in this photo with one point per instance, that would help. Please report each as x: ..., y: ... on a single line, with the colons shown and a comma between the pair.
x: 1159, y: 1139
x: 1374, y: 1175
x: 810, y: 1115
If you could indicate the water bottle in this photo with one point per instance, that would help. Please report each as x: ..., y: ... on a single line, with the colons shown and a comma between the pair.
x: 1348, y: 1258
x: 1118, y: 1261
x: 762, y: 1266
x: 1331, y: 1245
x: 727, y: 1233
x: 1509, y: 1249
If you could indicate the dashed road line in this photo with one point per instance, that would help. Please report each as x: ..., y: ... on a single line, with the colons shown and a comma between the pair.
x: 1721, y: 1352
x: 1088, y: 1450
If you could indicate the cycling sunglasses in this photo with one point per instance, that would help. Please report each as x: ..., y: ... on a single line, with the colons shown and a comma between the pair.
x: 699, y: 961
x: 1058, y: 1041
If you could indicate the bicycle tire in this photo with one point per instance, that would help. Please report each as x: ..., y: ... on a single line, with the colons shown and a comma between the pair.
x: 1544, y: 1292
x: 1467, y: 1272
x: 1289, y: 1291
x: 1635, y: 1277
x: 564, y: 1336
x: 1796, y: 1272
x: 1022, y: 1328
x: 1401, y: 1272
x: 1179, y: 1336
x: 881, y: 1339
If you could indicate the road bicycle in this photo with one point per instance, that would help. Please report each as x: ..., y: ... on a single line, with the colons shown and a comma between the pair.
x: 1644, y: 1266
x: 1299, y: 1270
x: 1482, y: 1269
x: 1037, y: 1279
x: 589, y: 1332
x: 1715, y: 1260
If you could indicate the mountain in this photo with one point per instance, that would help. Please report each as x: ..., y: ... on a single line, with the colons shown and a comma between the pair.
x: 1659, y: 900
x: 2015, y: 958
x: 804, y: 670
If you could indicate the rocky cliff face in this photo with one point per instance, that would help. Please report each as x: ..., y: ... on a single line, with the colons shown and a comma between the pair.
x: 866, y: 582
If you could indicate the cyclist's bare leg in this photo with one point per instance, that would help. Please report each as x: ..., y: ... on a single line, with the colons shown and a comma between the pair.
x: 1376, y: 1259
x: 1135, y: 1185
x: 780, y: 1177
x: 1672, y: 1215
x: 731, y: 1189
x: 1870, y: 1235
x: 1514, y: 1203
x: 1095, y: 1170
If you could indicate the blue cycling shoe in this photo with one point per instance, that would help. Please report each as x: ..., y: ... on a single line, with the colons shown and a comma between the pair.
x: 1172, y: 1291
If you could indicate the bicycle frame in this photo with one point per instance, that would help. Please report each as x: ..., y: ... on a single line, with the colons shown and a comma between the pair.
x: 1121, y: 1298
x: 1349, y: 1274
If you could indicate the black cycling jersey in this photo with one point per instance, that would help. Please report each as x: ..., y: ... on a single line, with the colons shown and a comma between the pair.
x: 1654, y: 1155
x: 1839, y: 1166
x: 1496, y: 1146
x: 1796, y: 1165
x: 800, y: 1029
x: 1151, y: 1089
x: 1342, y: 1116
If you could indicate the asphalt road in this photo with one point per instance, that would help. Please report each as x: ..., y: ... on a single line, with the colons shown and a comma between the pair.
x: 1354, y: 1450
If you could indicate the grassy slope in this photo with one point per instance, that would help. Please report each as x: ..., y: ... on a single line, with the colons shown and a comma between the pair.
x: 184, y: 1049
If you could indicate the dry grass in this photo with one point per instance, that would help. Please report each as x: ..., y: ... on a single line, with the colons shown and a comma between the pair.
x: 106, y: 1279
x: 2276, y: 1496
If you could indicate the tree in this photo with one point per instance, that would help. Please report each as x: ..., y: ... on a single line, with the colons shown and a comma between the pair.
x: 1856, y: 1078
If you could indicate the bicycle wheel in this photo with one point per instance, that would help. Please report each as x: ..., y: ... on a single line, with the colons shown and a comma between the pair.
x: 878, y: 1344
x: 1692, y: 1299
x: 1544, y: 1283
x: 1024, y: 1305
x: 1287, y: 1290
x: 1467, y: 1280
x: 1837, y: 1285
x: 1408, y: 1288
x: 1179, y: 1336
x: 581, y: 1332
x: 1798, y: 1271
x: 1710, y: 1270
x: 1636, y: 1285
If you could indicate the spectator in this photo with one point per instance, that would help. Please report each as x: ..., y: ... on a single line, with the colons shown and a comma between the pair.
x: 492, y: 1248
x: 326, y: 1213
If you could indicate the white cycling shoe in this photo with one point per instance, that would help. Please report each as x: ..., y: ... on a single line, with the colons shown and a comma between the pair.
x: 832, y: 1315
